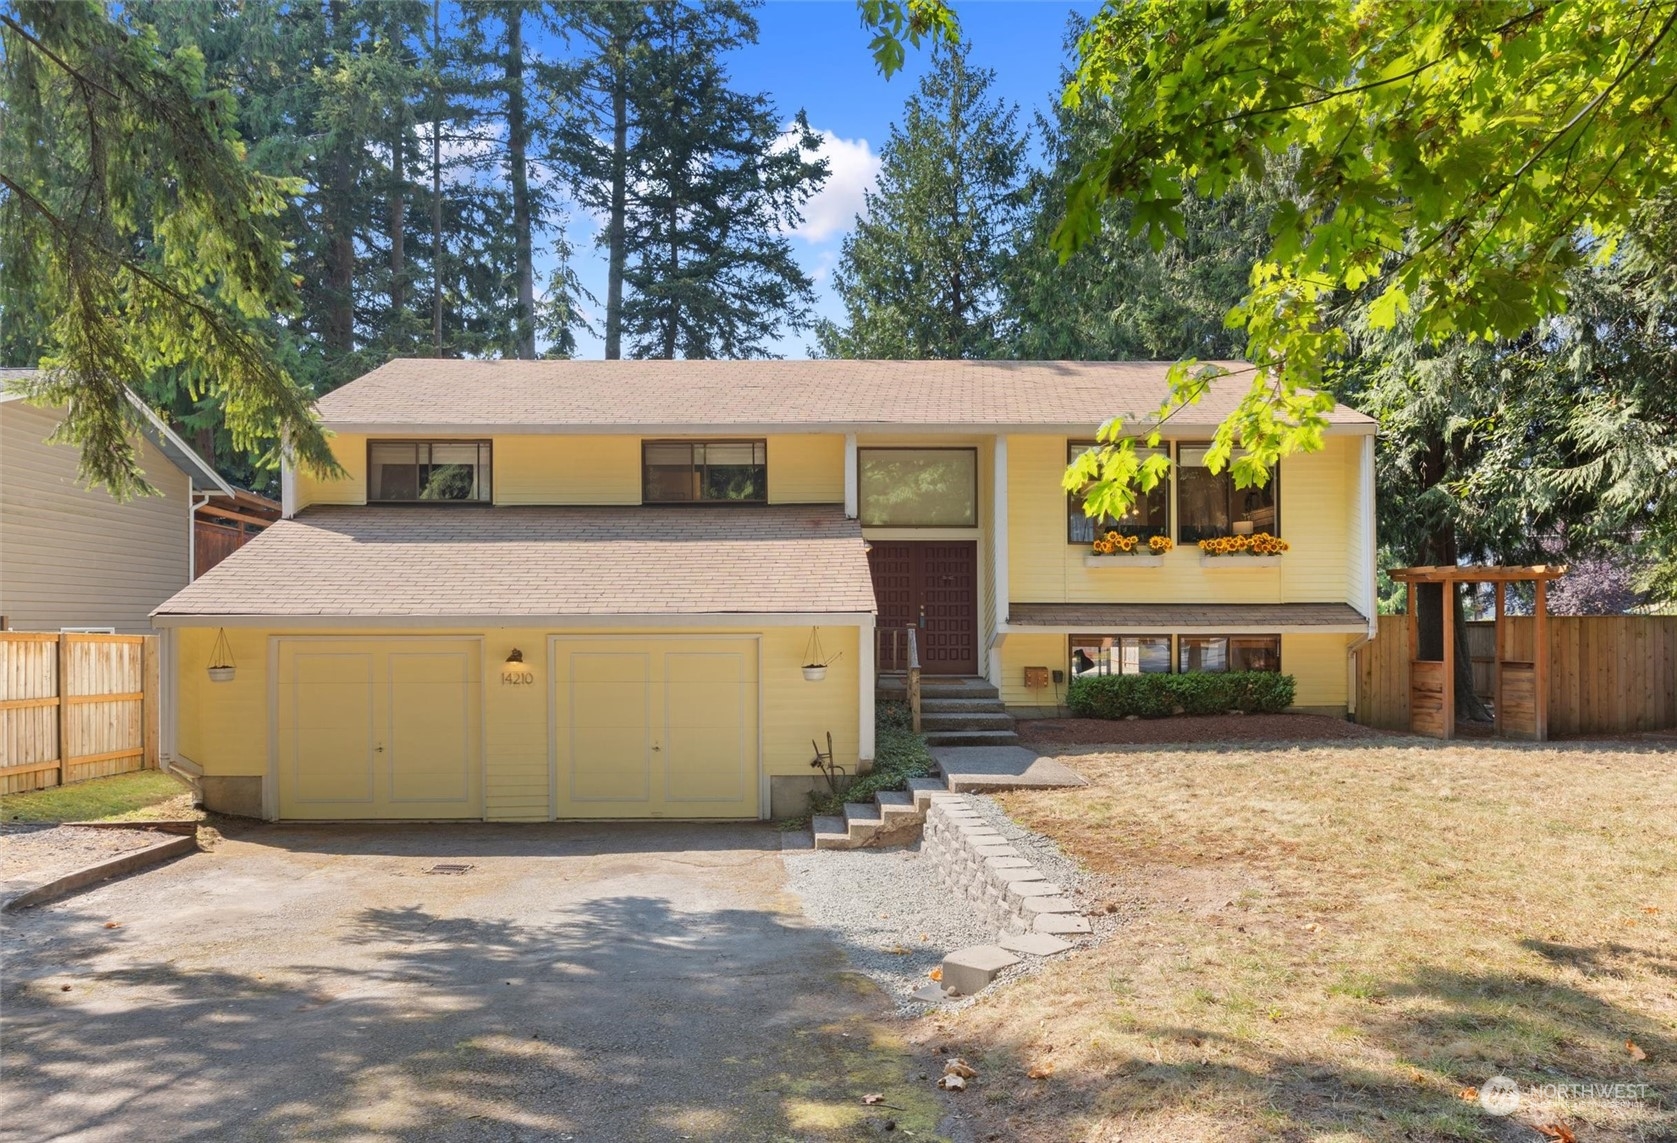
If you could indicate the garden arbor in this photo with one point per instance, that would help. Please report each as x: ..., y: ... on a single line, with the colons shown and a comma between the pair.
x: 1521, y: 689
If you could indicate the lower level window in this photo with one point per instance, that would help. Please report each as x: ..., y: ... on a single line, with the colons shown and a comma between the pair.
x: 1119, y: 655
x: 1218, y: 653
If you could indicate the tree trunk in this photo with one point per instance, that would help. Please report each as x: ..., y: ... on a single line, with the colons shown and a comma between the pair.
x: 1440, y: 550
x: 518, y: 139
x: 672, y: 305
x: 398, y: 212
x: 616, y: 238
x: 339, y: 331
x: 437, y: 184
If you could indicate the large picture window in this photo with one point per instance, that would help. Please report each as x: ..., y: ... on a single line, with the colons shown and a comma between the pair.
x: 918, y: 487
x: 1119, y: 655
x: 1219, y: 653
x: 1149, y: 516
x: 1208, y: 505
x: 401, y: 472
x: 704, y: 472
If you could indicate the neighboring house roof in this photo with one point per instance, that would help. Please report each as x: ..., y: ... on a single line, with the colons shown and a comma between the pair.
x: 204, y: 477
x: 446, y: 395
x: 462, y: 562
x: 1188, y: 618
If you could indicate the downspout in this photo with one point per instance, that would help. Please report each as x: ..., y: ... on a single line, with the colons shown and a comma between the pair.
x: 1362, y: 641
x: 192, y: 533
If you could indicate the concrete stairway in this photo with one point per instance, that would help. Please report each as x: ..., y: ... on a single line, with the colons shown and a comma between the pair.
x: 955, y: 710
x: 892, y: 818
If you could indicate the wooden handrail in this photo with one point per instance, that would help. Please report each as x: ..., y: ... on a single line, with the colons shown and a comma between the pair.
x: 914, y: 679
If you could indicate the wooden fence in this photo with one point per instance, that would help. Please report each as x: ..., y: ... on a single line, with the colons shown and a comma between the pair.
x: 74, y: 707
x: 1608, y: 674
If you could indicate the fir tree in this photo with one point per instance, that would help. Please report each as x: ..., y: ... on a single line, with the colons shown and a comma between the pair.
x: 921, y: 277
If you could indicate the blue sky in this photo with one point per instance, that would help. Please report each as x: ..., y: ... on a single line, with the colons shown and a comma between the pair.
x: 814, y: 54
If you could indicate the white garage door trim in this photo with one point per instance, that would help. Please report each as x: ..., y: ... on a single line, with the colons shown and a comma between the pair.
x: 270, y: 783
x: 553, y: 728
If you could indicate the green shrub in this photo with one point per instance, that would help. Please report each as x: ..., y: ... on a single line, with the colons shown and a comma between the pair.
x: 1196, y: 692
x: 898, y: 755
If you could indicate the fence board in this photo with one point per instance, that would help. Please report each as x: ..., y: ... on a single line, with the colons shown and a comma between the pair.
x: 75, y: 706
x: 1608, y: 674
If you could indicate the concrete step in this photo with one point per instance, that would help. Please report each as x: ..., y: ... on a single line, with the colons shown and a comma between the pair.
x: 959, y: 705
x: 972, y: 738
x: 895, y: 689
x: 832, y: 832
x: 966, y: 720
x: 971, y: 970
x: 925, y: 789
x: 862, y: 820
x: 896, y: 807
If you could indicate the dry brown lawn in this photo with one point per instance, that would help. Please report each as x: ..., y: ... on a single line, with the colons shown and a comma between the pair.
x: 1339, y: 941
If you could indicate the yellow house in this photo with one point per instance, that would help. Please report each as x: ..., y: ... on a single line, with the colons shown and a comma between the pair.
x: 566, y: 589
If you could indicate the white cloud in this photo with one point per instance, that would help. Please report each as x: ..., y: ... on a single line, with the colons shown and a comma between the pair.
x: 852, y: 168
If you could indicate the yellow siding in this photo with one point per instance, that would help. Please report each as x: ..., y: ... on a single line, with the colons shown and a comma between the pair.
x: 351, y: 451
x: 566, y: 470
x: 1317, y: 503
x: 806, y: 469
x: 1316, y: 662
x: 223, y: 727
x: 1318, y: 666
x: 1021, y: 651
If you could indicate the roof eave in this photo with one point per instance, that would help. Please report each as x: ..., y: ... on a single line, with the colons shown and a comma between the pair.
x: 852, y: 618
x: 1179, y: 430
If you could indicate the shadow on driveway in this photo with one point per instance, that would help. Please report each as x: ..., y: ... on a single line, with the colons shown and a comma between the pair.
x: 601, y: 983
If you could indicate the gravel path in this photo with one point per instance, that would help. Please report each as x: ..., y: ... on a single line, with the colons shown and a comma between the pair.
x: 894, y: 920
x: 41, y: 852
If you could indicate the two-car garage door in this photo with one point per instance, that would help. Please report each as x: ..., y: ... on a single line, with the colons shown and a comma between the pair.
x: 640, y: 726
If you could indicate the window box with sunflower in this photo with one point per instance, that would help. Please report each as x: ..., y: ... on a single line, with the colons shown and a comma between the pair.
x: 1115, y: 550
x: 1259, y: 549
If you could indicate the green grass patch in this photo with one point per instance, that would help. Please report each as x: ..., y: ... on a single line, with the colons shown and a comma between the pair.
x: 144, y: 795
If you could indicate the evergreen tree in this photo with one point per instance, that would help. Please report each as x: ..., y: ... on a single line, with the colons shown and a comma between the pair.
x: 1118, y: 298
x: 697, y: 181
x: 922, y: 275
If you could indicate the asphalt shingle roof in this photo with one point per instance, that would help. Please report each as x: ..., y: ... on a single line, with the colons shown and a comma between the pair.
x: 469, y: 561
x: 677, y: 396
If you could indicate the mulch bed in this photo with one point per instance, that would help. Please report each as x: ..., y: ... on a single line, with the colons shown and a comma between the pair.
x: 1192, y: 728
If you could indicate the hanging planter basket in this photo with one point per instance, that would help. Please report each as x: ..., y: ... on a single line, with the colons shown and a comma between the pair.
x: 221, y: 659
x: 816, y: 661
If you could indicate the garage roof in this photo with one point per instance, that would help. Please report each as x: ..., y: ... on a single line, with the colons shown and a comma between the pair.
x: 444, y: 395
x: 466, y: 562
x: 1189, y: 618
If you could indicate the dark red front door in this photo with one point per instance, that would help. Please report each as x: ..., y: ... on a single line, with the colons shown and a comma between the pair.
x: 933, y: 587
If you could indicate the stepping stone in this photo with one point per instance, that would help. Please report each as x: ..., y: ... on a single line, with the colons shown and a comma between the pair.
x: 1033, y: 889
x: 930, y: 993
x: 1033, y: 944
x: 996, y: 851
x: 1062, y: 923
x: 971, y: 970
x: 1037, y: 905
x: 1014, y: 862
x: 1009, y: 876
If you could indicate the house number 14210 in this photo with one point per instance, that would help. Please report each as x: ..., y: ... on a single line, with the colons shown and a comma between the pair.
x: 517, y: 677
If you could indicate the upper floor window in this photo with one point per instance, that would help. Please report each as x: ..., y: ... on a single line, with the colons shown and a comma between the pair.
x: 428, y: 471
x: 1149, y: 514
x: 704, y: 472
x: 918, y: 487
x: 1218, y: 653
x: 1208, y: 505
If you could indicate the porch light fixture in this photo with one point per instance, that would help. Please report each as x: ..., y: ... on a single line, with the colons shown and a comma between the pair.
x: 515, y: 658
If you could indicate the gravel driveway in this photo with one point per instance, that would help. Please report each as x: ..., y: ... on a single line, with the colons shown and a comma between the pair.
x: 618, y: 982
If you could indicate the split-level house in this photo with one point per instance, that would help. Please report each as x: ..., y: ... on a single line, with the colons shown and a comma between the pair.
x: 564, y: 589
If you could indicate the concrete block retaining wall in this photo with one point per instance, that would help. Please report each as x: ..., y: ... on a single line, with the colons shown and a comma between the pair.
x: 969, y: 857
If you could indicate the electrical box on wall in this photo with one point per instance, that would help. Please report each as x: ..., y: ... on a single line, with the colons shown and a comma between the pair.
x: 1036, y: 677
